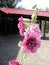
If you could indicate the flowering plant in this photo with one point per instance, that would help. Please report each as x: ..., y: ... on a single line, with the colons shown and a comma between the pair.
x: 31, y: 33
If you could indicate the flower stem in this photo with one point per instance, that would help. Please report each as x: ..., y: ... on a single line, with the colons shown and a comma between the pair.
x: 24, y: 56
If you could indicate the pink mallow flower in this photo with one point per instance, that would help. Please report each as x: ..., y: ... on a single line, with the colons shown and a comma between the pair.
x: 31, y: 43
x: 21, y: 31
x: 21, y: 26
x: 32, y: 29
x: 21, y: 19
x: 14, y: 62
x: 35, y: 27
x: 21, y: 23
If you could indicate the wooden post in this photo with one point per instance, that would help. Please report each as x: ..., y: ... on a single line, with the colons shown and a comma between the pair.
x: 5, y: 26
x: 44, y: 30
x: 40, y: 24
x: 6, y: 20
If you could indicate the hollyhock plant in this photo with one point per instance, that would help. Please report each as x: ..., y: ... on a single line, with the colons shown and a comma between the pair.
x: 31, y: 32
x: 14, y: 62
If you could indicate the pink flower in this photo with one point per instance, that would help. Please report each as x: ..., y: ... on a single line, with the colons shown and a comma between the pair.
x: 21, y: 31
x: 21, y: 23
x: 32, y: 29
x: 14, y: 62
x: 35, y: 27
x: 21, y: 26
x: 31, y: 43
x: 21, y: 19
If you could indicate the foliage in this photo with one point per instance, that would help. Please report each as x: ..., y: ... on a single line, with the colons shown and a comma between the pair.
x: 7, y: 3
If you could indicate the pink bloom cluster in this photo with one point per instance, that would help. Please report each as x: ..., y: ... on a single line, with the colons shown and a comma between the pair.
x: 32, y: 28
x: 32, y: 36
x: 21, y: 26
x: 14, y: 62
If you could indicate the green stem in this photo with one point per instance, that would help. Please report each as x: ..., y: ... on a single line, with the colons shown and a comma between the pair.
x: 23, y: 57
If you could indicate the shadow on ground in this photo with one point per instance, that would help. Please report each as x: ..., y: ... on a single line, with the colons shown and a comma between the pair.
x: 9, y: 48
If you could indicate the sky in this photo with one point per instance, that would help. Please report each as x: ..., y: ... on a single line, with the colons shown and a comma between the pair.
x: 27, y: 4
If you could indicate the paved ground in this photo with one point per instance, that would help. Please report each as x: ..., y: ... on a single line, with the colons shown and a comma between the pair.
x: 9, y: 50
x: 41, y: 57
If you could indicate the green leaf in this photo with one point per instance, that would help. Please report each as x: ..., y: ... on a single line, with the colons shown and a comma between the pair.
x: 34, y: 6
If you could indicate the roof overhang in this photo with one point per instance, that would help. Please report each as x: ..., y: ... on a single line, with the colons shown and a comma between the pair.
x: 24, y: 12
